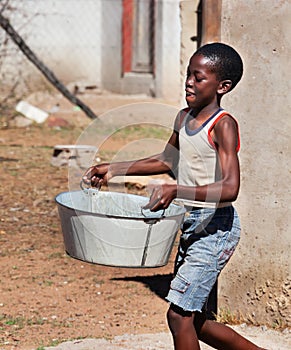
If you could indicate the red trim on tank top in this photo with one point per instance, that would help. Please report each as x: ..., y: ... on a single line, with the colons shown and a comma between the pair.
x: 213, y: 125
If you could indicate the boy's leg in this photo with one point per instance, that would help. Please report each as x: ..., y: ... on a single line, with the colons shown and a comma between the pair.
x: 182, y: 328
x: 220, y: 336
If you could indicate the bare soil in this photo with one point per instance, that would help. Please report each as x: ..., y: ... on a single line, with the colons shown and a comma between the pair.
x: 46, y: 296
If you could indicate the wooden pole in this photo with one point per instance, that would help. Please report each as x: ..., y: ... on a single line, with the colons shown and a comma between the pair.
x: 211, y: 21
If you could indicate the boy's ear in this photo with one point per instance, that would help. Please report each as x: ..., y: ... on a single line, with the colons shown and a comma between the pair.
x: 224, y: 87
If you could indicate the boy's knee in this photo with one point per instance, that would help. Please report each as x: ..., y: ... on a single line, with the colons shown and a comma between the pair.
x: 172, y: 316
x: 179, y: 319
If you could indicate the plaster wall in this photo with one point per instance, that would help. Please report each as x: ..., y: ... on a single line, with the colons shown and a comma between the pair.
x: 167, y: 50
x: 257, y: 282
x: 111, y: 38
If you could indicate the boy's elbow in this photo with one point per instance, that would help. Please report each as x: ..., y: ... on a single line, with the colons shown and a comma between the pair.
x: 229, y: 197
x: 233, y: 197
x: 232, y: 193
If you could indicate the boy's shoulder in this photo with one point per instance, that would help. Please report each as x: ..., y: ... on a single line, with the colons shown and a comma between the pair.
x: 184, y: 112
x: 181, y: 116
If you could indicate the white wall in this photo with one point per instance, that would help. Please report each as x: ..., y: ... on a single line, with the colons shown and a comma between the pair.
x: 111, y: 38
x: 167, y: 50
x: 64, y: 35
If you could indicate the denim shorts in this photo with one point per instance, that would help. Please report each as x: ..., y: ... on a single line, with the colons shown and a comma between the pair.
x: 209, y: 238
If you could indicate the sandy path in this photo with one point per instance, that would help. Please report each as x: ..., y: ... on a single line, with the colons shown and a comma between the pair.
x: 262, y: 336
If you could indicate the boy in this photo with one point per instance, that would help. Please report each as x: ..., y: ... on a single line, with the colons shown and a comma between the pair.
x: 203, y: 150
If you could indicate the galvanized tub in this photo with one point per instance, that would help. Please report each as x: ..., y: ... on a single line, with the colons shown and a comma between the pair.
x: 111, y: 228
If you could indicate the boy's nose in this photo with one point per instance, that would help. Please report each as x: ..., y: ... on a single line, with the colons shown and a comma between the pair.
x: 189, y: 82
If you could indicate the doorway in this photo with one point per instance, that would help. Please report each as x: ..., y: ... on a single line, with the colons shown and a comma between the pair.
x: 138, y: 29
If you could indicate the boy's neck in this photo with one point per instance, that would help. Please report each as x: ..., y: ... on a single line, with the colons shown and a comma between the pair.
x: 205, y: 113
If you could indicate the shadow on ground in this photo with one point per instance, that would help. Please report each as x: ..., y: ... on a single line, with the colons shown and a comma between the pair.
x: 158, y: 284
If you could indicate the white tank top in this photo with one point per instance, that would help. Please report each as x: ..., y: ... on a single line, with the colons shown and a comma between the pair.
x: 198, y: 162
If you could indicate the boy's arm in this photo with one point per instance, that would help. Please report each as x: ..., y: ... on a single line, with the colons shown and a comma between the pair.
x: 225, y: 136
x: 158, y: 164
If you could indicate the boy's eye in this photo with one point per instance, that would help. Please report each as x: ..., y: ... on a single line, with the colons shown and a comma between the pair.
x: 197, y: 78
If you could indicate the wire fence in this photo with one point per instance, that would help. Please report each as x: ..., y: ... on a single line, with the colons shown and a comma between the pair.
x: 64, y: 34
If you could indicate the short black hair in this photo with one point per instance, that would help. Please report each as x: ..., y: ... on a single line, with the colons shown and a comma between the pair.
x: 225, y: 61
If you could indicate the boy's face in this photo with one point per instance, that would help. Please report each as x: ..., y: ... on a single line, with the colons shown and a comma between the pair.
x: 201, y: 83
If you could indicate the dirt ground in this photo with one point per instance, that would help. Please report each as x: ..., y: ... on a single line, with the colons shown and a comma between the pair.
x: 47, y: 297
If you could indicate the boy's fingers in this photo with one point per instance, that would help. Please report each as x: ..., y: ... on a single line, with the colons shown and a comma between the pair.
x: 96, y: 181
x: 89, y: 174
x: 153, y: 204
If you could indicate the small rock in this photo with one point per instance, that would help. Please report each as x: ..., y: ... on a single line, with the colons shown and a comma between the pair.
x: 57, y: 122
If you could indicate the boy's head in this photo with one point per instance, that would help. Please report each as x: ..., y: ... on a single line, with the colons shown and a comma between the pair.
x: 224, y: 61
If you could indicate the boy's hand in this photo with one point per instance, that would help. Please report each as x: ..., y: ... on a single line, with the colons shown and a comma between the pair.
x: 161, y: 197
x: 97, y: 175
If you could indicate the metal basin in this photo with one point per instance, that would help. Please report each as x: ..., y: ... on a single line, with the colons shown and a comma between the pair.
x: 110, y: 228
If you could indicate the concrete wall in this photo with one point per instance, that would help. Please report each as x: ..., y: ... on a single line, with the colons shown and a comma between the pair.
x: 167, y: 50
x: 258, y: 280
x: 111, y: 38
x: 256, y: 284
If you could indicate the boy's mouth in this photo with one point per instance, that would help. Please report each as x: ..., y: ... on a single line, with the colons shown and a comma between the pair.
x: 189, y: 93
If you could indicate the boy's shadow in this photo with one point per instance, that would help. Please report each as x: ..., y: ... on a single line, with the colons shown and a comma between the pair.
x: 158, y: 284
